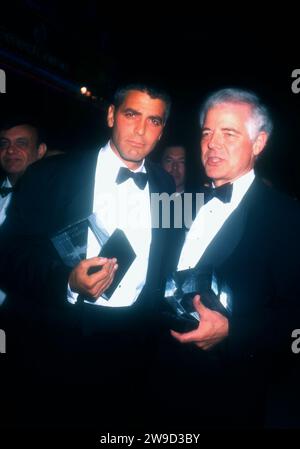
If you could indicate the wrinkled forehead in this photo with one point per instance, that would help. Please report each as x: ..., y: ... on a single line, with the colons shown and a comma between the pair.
x: 20, y: 131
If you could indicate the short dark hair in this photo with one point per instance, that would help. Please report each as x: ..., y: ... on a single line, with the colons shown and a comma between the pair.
x: 153, y: 92
x: 172, y: 145
x: 24, y: 121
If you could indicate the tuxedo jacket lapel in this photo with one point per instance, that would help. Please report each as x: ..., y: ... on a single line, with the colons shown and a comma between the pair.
x: 80, y: 204
x: 156, y: 242
x: 230, y: 234
x: 159, y: 182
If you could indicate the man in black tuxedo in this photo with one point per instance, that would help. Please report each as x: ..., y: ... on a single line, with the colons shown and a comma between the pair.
x: 174, y: 162
x: 248, y: 235
x: 21, y: 144
x: 111, y: 340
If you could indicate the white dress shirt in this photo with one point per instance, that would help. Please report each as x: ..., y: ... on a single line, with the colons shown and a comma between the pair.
x: 209, y: 221
x: 126, y: 207
x: 4, y: 203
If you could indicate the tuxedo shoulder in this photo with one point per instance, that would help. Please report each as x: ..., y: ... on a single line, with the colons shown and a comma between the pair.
x: 277, y: 207
x: 272, y: 195
x: 163, y: 178
x: 45, y: 165
x: 58, y: 161
x: 55, y: 167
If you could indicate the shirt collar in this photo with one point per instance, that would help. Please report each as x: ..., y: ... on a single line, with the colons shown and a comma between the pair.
x: 241, y: 185
x: 6, y: 183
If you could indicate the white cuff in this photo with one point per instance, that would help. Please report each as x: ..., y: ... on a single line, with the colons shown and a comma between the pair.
x: 72, y: 296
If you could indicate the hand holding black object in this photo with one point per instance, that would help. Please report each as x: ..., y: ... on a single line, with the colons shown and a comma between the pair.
x: 117, y: 247
x: 93, y: 285
x: 181, y: 287
x: 213, y: 328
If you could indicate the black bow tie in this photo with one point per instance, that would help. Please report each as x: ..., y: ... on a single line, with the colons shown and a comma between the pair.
x: 223, y: 193
x: 139, y: 178
x: 4, y: 191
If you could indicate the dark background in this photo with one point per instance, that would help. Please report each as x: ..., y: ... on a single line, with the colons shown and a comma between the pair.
x: 50, y: 49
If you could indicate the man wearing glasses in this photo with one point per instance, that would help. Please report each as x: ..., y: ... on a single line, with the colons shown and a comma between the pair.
x: 20, y: 146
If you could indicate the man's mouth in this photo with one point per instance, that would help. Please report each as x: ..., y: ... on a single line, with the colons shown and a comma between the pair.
x: 11, y: 160
x: 214, y: 160
x: 136, y: 144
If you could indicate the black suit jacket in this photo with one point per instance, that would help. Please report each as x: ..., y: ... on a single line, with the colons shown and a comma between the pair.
x: 256, y: 253
x: 54, y: 193
x: 86, y: 355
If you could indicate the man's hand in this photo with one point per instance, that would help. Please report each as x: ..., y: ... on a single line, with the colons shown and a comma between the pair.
x: 212, y: 329
x: 95, y: 284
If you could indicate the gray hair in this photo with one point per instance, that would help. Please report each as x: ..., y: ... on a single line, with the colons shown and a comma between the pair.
x: 260, y: 116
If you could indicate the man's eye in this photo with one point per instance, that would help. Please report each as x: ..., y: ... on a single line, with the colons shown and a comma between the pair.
x: 4, y: 143
x: 156, y: 122
x: 22, y: 142
x: 129, y: 114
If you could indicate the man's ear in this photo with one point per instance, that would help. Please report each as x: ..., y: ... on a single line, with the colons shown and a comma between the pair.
x: 42, y: 150
x: 111, y: 116
x: 161, y: 131
x: 260, y: 143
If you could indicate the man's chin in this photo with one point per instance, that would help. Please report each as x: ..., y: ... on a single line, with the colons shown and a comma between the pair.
x: 132, y: 158
x: 213, y: 174
x: 13, y: 170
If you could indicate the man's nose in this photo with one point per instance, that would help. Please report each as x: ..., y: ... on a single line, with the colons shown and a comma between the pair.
x: 174, y: 167
x: 215, y: 141
x: 140, y: 127
x: 12, y: 147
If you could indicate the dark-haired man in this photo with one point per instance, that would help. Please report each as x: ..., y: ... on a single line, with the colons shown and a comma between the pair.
x: 174, y: 162
x: 20, y: 146
x: 114, y: 183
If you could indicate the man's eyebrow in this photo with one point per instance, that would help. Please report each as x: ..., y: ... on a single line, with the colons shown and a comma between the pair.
x: 152, y: 117
x: 223, y: 129
x: 156, y: 117
x: 134, y: 111
x: 232, y: 130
